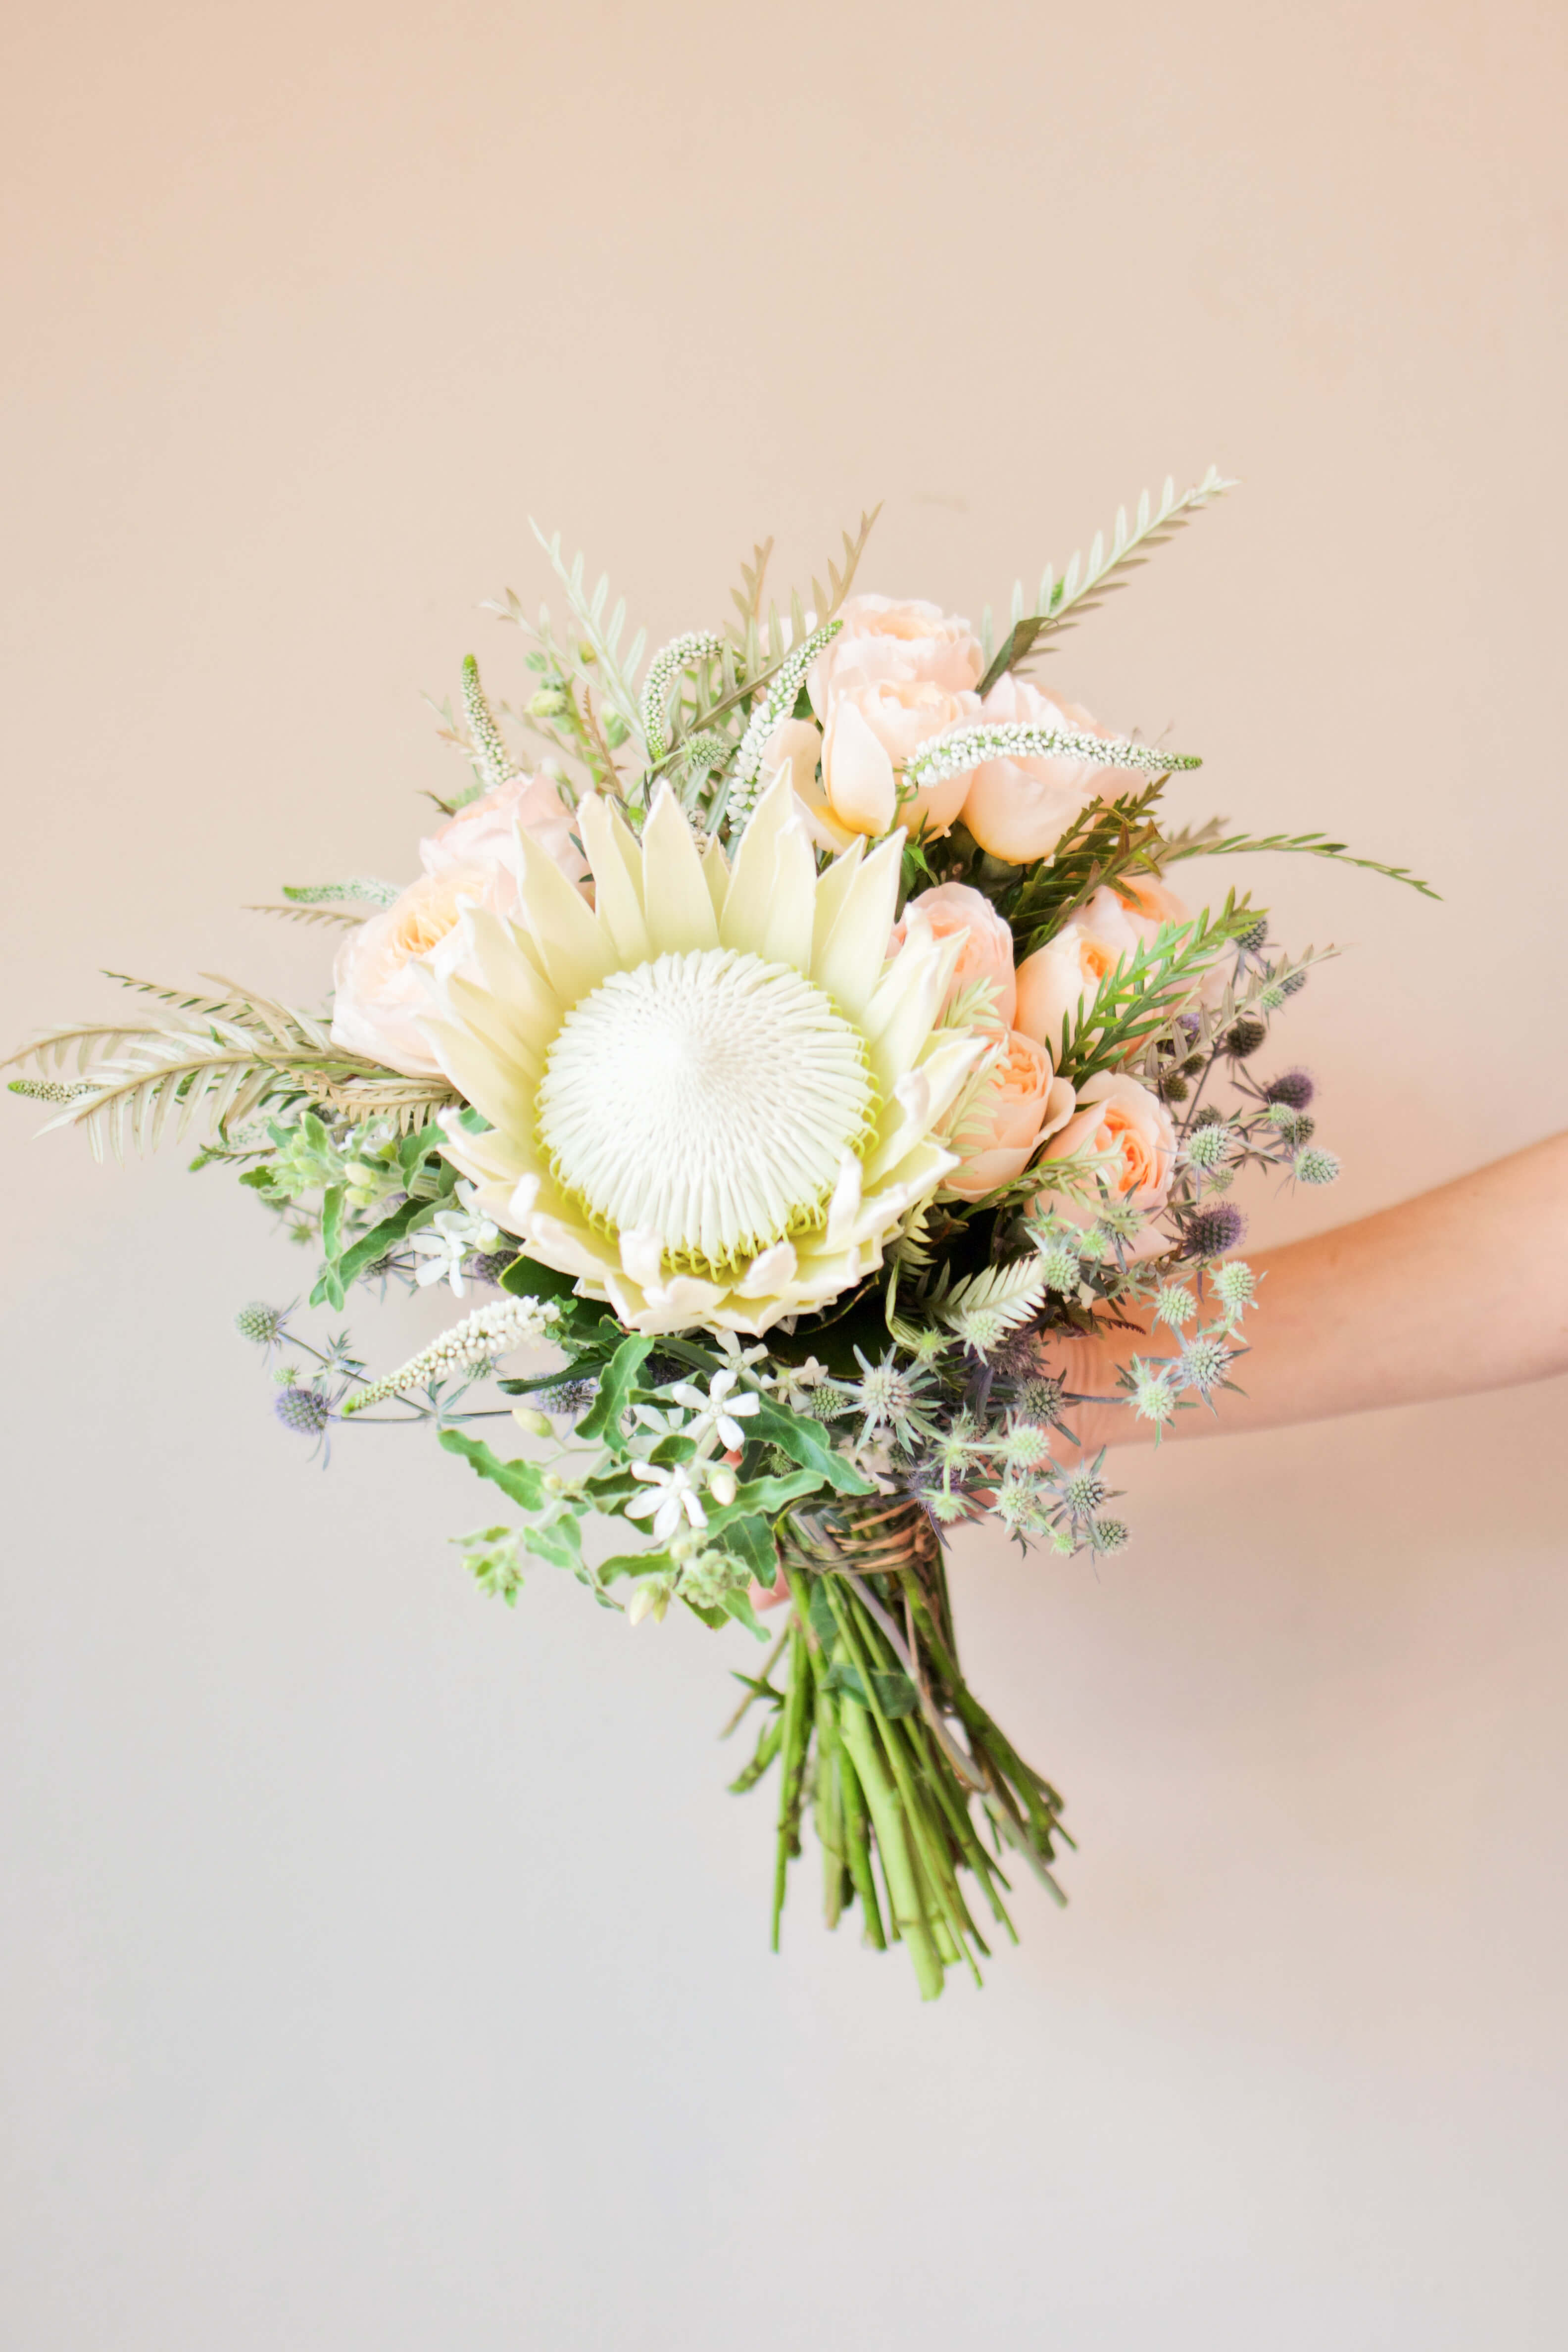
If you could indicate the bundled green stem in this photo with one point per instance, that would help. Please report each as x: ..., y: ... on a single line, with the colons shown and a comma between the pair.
x: 877, y: 1732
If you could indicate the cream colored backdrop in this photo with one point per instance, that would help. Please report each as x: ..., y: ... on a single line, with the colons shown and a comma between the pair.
x: 385, y: 1970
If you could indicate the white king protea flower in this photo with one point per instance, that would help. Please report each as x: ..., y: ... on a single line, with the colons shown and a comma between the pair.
x: 711, y: 1099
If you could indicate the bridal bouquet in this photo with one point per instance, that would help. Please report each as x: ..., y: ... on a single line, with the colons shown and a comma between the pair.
x: 795, y: 1052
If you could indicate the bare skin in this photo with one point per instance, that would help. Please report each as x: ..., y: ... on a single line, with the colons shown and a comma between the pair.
x: 1462, y: 1289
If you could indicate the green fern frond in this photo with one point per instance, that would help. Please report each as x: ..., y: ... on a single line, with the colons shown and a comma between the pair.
x: 1211, y: 841
x: 88, y: 1040
x: 410, y: 1103
x: 1138, y: 1000
x: 914, y: 1246
x: 609, y: 675
x: 343, y: 916
x: 1083, y: 586
x: 748, y: 598
x: 363, y: 888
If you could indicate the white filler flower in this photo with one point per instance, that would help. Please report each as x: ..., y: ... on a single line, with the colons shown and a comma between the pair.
x: 711, y: 1097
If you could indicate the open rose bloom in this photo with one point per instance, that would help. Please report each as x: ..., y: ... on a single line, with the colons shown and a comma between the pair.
x: 786, y: 1043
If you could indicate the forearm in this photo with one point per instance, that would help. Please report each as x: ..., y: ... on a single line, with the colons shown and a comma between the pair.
x: 1463, y: 1289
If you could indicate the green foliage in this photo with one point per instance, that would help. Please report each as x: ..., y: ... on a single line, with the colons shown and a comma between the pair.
x: 1212, y: 841
x: 617, y: 1383
x: 1062, y: 602
x: 521, y: 1481
x: 1138, y: 1000
x: 807, y: 1442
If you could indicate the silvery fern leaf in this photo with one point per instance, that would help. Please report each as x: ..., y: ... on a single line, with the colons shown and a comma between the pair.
x: 612, y: 679
x: 997, y: 1300
x: 345, y: 916
x: 1084, y: 586
x: 359, y: 889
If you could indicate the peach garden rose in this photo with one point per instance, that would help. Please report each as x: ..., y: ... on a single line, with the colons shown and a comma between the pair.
x: 1024, y: 1104
x: 954, y: 908
x: 1019, y: 809
x: 386, y: 968
x: 1120, y: 1119
x: 907, y: 644
x: 1060, y: 979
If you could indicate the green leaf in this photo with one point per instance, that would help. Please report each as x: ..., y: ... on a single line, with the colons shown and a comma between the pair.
x: 636, y: 1563
x: 381, y: 1238
x: 559, y: 1542
x: 763, y: 1497
x: 738, y: 1605
x: 417, y: 1147
x: 526, y: 1278
x: 896, y: 1695
x: 523, y: 1481
x: 847, y: 1678
x: 1299, y: 845
x: 807, y: 1442
x: 1020, y: 638
x: 749, y: 1537
x: 616, y: 1382
x: 824, y: 1623
x: 329, y: 1289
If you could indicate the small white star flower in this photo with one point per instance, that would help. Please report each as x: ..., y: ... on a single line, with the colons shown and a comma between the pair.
x: 452, y: 1235
x: 716, y: 1417
x: 795, y: 1383
x: 672, y: 1496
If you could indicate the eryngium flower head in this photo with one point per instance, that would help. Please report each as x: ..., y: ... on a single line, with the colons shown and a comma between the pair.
x: 261, y: 1323
x: 1210, y: 1145
x: 1213, y: 1230
x: 1316, y: 1166
x: 1243, y: 1038
x: 569, y: 1400
x: 1235, y: 1286
x: 1107, y: 1536
x: 1204, y: 1363
x: 711, y: 1099
x: 489, y: 1266
x: 829, y: 1400
x: 1250, y: 942
x: 895, y: 1401
x: 1040, y: 1398
x: 304, y: 1411
x: 1293, y: 1087
x: 1083, y: 1489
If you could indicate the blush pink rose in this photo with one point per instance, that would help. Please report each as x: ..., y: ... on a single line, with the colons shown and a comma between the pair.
x: 871, y: 730
x: 907, y: 644
x: 1025, y: 1104
x: 1118, y: 1117
x: 1019, y: 809
x: 385, y: 967
x: 480, y: 834
x: 987, y: 950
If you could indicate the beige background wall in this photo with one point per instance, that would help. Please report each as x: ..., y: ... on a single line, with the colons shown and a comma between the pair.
x: 384, y: 1969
